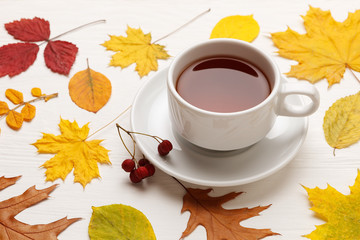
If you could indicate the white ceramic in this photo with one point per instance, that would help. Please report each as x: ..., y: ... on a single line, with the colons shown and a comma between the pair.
x: 150, y: 114
x: 236, y: 130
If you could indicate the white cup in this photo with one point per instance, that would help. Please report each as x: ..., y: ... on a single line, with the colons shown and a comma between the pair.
x: 234, y: 130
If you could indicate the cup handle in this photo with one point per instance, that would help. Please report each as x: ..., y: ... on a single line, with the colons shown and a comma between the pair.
x: 286, y: 109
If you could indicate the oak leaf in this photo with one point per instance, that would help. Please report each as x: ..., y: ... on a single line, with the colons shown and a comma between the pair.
x: 342, y: 122
x: 118, y: 221
x: 326, y: 50
x: 73, y: 151
x: 12, y: 229
x: 341, y: 212
x: 90, y: 90
x: 239, y: 27
x: 220, y: 223
x: 137, y: 48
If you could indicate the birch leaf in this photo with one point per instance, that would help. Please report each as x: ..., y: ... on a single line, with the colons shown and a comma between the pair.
x: 239, y: 27
x: 118, y: 221
x: 90, y: 90
x: 342, y: 122
x: 137, y: 48
x: 326, y: 50
x: 73, y: 151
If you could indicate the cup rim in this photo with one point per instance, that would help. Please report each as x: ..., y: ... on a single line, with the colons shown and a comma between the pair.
x: 171, y: 85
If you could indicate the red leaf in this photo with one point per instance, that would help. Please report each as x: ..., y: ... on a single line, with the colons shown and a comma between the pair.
x: 16, y: 58
x: 60, y: 56
x: 30, y: 30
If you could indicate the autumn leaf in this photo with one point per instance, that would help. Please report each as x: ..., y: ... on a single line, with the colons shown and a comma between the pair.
x: 36, y: 92
x: 60, y: 56
x: 220, y: 223
x: 239, y: 27
x: 342, y: 122
x: 13, y: 229
x: 90, y: 90
x: 326, y: 50
x: 341, y: 212
x: 29, y: 30
x: 118, y: 221
x: 14, y: 96
x: 73, y: 151
x: 14, y: 119
x: 137, y: 48
x: 28, y: 112
x: 4, y: 108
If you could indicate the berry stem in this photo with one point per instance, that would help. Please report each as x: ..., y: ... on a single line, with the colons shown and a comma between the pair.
x: 158, y: 139
x: 118, y: 127
x: 182, y: 26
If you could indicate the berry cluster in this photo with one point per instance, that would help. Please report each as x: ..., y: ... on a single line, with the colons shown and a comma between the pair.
x: 143, y: 168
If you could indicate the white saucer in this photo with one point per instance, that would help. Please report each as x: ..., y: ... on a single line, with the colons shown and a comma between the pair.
x: 205, y: 167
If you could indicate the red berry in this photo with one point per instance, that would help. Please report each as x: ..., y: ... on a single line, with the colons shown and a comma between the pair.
x: 151, y: 169
x: 141, y: 172
x: 134, y: 177
x: 164, y: 147
x: 143, y: 162
x: 128, y: 165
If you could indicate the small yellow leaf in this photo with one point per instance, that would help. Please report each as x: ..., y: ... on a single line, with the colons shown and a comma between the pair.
x: 14, y: 120
x: 341, y: 212
x: 73, y: 151
x: 240, y: 27
x: 118, y: 221
x: 4, y: 108
x: 36, y: 92
x: 90, y: 90
x: 136, y: 48
x: 14, y: 96
x: 28, y: 112
x: 342, y: 122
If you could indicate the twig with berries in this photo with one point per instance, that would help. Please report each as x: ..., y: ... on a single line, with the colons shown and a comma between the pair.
x: 143, y: 168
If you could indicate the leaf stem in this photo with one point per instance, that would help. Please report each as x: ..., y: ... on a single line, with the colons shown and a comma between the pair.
x: 122, y: 113
x: 354, y: 74
x: 184, y: 25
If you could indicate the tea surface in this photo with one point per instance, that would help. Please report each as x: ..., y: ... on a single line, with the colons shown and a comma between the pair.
x: 223, y: 84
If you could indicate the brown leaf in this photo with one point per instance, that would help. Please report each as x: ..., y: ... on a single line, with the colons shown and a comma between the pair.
x: 5, y: 182
x: 12, y: 229
x: 220, y: 223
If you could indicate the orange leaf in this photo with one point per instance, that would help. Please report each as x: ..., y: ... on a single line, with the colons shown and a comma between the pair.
x: 4, y: 108
x: 220, y: 223
x: 14, y: 120
x: 90, y: 90
x: 36, y: 92
x: 28, y: 112
x: 14, y: 96
x: 11, y: 228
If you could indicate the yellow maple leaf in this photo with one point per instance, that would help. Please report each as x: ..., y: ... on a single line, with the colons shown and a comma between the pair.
x: 341, y: 212
x: 73, y: 151
x: 239, y: 27
x: 135, y: 48
x: 326, y: 50
x: 342, y: 122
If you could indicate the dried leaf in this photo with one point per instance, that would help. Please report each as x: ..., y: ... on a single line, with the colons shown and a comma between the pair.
x: 28, y: 112
x: 342, y: 122
x: 14, y: 120
x: 16, y: 230
x: 14, y: 96
x: 240, y: 27
x: 120, y: 222
x: 16, y: 58
x: 29, y: 30
x: 136, y: 48
x: 341, y: 212
x: 36, y: 92
x: 72, y: 151
x: 326, y: 50
x: 60, y: 56
x: 220, y: 223
x: 4, y: 108
x: 90, y: 90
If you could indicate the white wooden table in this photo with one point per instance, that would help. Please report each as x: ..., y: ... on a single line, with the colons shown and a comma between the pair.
x: 160, y: 197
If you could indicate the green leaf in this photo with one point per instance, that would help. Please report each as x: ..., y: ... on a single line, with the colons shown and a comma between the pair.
x: 121, y: 222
